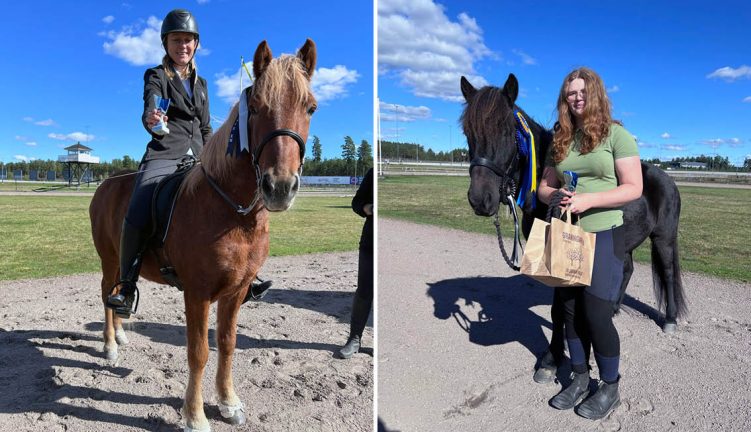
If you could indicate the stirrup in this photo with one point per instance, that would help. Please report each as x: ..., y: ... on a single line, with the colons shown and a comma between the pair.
x: 257, y: 292
x: 123, y: 310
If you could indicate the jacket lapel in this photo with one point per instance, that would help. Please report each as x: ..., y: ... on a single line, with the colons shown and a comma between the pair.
x: 178, y: 85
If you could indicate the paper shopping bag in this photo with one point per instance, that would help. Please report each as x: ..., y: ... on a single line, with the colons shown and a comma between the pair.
x: 572, y: 252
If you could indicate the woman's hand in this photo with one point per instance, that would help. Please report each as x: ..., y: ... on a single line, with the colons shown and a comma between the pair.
x: 576, y: 203
x: 368, y: 209
x: 155, y: 117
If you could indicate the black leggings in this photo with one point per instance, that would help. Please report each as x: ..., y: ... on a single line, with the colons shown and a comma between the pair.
x: 150, y: 173
x: 589, y: 311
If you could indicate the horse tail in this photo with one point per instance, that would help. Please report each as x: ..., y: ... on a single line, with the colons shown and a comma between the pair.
x: 667, y: 276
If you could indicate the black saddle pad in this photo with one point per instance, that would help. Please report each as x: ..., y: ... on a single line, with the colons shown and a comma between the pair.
x: 163, y: 202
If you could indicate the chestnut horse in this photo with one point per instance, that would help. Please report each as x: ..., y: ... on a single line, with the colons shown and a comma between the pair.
x: 216, y: 248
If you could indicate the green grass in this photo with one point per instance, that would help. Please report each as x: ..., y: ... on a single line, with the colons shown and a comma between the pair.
x: 43, y: 235
x: 12, y: 186
x: 714, y: 233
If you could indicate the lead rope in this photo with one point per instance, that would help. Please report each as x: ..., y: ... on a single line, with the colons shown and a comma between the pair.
x: 518, y: 249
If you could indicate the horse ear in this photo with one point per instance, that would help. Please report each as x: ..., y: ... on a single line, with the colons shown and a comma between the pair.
x: 308, y: 55
x: 468, y: 90
x: 511, y: 88
x: 261, y: 59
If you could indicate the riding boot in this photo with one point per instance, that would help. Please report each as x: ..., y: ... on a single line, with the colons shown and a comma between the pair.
x: 360, y: 312
x: 575, y: 392
x: 258, y: 289
x: 602, y: 403
x: 132, y: 243
x: 546, y: 371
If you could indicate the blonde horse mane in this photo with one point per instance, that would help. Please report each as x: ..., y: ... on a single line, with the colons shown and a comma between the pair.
x: 269, y: 90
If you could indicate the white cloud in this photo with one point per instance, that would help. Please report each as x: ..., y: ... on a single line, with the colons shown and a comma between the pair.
x: 674, y: 147
x: 329, y: 84
x: 714, y: 143
x: 402, y: 113
x: 734, y: 142
x: 28, y: 119
x: 23, y: 158
x: 665, y: 135
x: 48, y: 122
x: 228, y: 86
x: 136, y: 45
x: 747, y: 99
x: 614, y: 89
x: 21, y: 138
x: 75, y: 136
x: 31, y: 144
x: 428, y: 51
x: 526, y: 58
x: 645, y: 145
x: 729, y: 74
x: 108, y: 19
x: 202, y: 1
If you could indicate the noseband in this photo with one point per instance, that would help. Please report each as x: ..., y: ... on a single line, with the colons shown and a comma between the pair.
x: 508, y: 185
x: 273, y: 134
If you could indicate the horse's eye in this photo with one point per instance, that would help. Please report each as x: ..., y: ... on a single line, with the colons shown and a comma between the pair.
x: 312, y: 109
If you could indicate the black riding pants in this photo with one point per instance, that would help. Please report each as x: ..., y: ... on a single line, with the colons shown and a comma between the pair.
x: 363, y: 300
x: 589, y: 311
x: 150, y: 172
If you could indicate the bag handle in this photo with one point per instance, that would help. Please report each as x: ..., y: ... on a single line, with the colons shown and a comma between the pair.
x: 567, y: 213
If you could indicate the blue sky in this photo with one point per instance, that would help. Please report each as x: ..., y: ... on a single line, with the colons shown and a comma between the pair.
x: 678, y: 73
x: 73, y: 71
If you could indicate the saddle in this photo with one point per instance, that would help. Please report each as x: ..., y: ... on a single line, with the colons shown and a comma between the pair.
x: 162, y: 208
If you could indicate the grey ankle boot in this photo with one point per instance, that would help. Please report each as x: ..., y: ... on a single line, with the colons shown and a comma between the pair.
x: 350, y: 348
x: 545, y: 373
x: 575, y: 392
x: 602, y: 403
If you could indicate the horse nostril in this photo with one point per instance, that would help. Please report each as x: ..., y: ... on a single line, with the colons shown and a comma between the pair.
x: 296, y: 185
x: 267, y: 184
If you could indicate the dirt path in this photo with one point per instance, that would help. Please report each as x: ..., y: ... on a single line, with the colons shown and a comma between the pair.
x: 438, y: 371
x: 54, y: 377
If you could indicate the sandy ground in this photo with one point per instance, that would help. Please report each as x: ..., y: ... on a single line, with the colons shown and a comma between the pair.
x: 54, y: 377
x: 438, y: 371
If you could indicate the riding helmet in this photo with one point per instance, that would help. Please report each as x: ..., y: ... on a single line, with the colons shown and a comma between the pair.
x: 179, y: 20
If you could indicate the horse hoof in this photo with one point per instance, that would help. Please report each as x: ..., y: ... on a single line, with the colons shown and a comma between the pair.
x: 190, y: 429
x: 121, y: 338
x: 233, y: 414
x: 669, y: 327
x: 110, y: 354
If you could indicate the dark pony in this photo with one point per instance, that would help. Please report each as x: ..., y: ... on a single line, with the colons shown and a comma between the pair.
x: 217, y: 248
x: 496, y: 170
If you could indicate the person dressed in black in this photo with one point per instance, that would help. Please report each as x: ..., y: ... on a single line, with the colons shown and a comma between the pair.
x: 362, y: 204
x: 189, y: 129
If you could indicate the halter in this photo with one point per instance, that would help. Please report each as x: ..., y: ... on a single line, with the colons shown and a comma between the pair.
x: 525, y: 143
x: 238, y: 143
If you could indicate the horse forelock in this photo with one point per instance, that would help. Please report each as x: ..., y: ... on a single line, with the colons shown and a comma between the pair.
x: 283, y: 78
x: 487, y: 120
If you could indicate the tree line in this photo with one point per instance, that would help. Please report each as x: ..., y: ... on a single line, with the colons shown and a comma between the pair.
x: 402, y: 151
x: 354, y: 161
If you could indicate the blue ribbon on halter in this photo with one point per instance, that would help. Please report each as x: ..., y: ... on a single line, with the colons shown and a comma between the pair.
x: 526, y: 145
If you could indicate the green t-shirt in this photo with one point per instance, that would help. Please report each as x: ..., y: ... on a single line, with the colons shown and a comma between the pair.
x: 596, y: 171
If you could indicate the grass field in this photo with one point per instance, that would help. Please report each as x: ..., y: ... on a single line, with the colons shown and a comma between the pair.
x: 43, y: 235
x: 714, y: 234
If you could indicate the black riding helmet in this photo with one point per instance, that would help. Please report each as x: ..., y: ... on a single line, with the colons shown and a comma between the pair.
x: 179, y: 20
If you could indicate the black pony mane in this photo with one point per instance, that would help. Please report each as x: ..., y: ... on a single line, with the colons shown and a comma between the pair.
x: 489, y: 121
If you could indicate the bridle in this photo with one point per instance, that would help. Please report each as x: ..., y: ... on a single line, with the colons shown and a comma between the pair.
x: 255, y: 155
x: 507, y: 186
